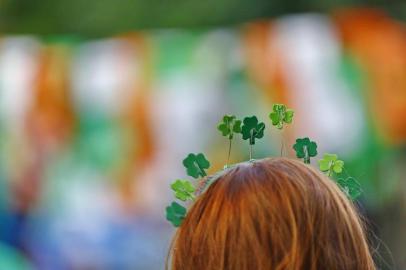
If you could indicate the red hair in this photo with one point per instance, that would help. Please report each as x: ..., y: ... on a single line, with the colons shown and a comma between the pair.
x: 274, y: 213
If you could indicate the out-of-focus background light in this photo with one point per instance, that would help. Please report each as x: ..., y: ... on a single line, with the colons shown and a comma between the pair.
x: 101, y: 100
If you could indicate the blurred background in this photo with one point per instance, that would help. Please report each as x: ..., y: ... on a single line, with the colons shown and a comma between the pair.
x: 101, y: 100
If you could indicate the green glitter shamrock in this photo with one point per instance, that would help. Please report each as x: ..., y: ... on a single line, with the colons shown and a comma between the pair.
x: 196, y: 164
x: 331, y: 164
x: 229, y: 126
x: 175, y: 213
x: 305, y: 149
x: 350, y: 187
x: 281, y: 115
x: 183, y: 189
x: 251, y: 129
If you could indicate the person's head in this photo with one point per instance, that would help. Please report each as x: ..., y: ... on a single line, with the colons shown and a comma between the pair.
x: 276, y: 214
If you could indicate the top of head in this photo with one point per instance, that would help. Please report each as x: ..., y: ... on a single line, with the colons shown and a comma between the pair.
x: 251, y: 130
x: 275, y: 213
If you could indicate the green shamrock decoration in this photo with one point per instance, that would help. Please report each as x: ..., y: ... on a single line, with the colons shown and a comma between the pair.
x: 350, y: 187
x: 175, y: 213
x: 281, y: 115
x: 229, y: 126
x: 196, y: 164
x: 183, y: 189
x: 331, y: 164
x: 305, y: 149
x: 251, y: 129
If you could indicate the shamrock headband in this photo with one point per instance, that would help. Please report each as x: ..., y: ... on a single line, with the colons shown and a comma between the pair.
x: 251, y: 130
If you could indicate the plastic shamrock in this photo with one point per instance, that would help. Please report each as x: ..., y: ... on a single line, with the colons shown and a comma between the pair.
x: 281, y: 115
x: 252, y: 130
x: 183, y: 189
x: 195, y: 165
x: 331, y: 164
x: 175, y: 213
x: 305, y: 149
x: 350, y: 187
x: 229, y: 126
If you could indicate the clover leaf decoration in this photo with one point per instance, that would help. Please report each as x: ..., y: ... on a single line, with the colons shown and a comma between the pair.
x: 196, y: 164
x: 280, y: 115
x: 330, y: 164
x: 183, y: 189
x: 305, y: 149
x: 350, y: 186
x: 252, y: 130
x: 229, y: 125
x: 175, y: 213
